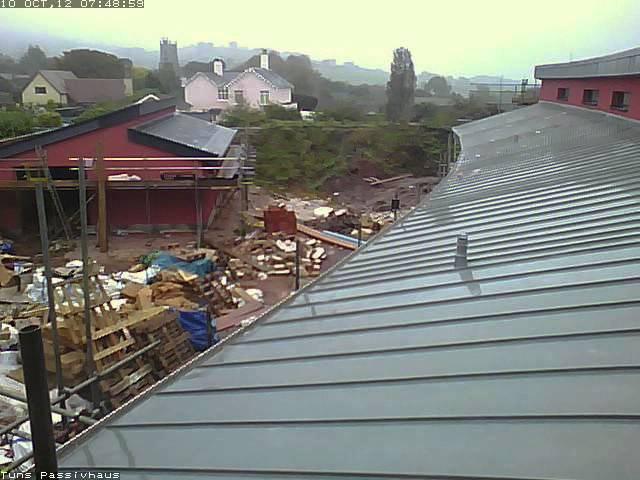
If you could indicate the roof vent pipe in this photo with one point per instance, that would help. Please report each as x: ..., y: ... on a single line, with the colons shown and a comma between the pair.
x: 462, y: 243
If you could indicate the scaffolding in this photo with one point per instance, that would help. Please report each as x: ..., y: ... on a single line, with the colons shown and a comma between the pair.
x: 34, y: 174
x: 231, y: 174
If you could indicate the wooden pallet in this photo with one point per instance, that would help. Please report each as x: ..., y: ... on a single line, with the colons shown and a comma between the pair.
x: 110, y: 337
x: 175, y: 348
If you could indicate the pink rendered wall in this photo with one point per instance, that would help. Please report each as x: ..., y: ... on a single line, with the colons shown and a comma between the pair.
x: 606, y: 86
x: 202, y: 94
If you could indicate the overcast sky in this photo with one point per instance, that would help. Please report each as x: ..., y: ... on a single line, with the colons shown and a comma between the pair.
x: 453, y: 37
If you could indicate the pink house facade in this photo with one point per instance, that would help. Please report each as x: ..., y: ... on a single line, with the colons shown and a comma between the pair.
x: 220, y: 89
x: 610, y: 83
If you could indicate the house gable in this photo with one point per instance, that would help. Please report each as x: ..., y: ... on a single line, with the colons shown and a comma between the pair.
x: 33, y: 93
x: 251, y: 72
x: 201, y: 92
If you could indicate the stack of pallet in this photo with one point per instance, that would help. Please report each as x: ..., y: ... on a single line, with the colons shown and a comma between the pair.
x: 110, y: 338
x: 161, y: 323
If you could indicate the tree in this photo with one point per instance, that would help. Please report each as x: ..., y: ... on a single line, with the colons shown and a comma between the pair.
x: 144, y: 79
x: 152, y: 81
x: 438, y: 86
x: 305, y: 102
x: 8, y: 64
x: 33, y: 60
x: 243, y: 116
x: 93, y: 112
x: 278, y: 112
x: 341, y: 112
x: 87, y: 63
x: 401, y: 86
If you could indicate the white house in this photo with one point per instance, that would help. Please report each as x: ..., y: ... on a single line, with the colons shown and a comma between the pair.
x: 221, y: 89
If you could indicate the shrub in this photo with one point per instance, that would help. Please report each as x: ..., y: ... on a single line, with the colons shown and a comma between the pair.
x: 13, y: 124
x: 49, y: 120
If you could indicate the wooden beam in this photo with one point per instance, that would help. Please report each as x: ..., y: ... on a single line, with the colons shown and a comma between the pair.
x: 103, y: 229
x: 392, y: 179
x: 317, y: 234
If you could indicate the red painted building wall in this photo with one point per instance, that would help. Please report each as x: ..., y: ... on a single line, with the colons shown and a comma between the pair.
x: 168, y: 207
x: 125, y: 207
x: 605, y: 85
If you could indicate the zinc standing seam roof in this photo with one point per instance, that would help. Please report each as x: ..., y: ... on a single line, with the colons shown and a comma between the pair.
x: 524, y: 365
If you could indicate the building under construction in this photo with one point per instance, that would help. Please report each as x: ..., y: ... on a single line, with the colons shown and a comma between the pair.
x: 159, y: 169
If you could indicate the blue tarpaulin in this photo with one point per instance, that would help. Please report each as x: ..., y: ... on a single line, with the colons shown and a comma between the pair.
x: 195, y: 323
x: 6, y: 246
x: 168, y: 262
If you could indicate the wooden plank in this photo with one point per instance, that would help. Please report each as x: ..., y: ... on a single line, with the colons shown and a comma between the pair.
x: 391, y: 179
x: 130, y: 380
x: 317, y: 234
x: 111, y: 350
x: 103, y: 230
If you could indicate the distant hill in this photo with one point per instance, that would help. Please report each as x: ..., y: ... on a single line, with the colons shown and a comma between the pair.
x: 233, y: 55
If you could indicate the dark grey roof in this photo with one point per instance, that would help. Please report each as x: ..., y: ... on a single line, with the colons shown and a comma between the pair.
x: 7, y: 99
x: 220, y: 81
x: 273, y: 78
x: 616, y: 64
x: 57, y: 78
x: 190, y: 131
x: 269, y: 75
x: 94, y: 90
x: 525, y: 365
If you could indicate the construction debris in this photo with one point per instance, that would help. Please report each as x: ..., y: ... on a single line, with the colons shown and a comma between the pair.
x: 276, y: 255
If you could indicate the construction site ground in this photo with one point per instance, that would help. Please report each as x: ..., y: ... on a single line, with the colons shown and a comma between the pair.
x: 143, y: 303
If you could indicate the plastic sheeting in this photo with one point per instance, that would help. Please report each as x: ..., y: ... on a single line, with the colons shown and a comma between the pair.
x: 195, y: 323
x: 164, y: 261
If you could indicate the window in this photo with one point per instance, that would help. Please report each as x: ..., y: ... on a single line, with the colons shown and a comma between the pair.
x: 40, y: 90
x: 590, y: 97
x: 264, y: 97
x: 238, y: 96
x: 620, y: 101
x: 223, y: 94
x: 563, y: 94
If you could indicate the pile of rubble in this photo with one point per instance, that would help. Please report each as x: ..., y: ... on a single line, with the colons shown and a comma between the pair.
x: 344, y: 222
x: 260, y: 255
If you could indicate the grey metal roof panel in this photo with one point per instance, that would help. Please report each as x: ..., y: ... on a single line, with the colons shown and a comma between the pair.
x: 626, y: 62
x: 190, y: 131
x: 525, y: 365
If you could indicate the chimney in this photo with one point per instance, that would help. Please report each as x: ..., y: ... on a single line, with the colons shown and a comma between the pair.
x: 218, y: 66
x: 264, y: 59
x: 462, y: 243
